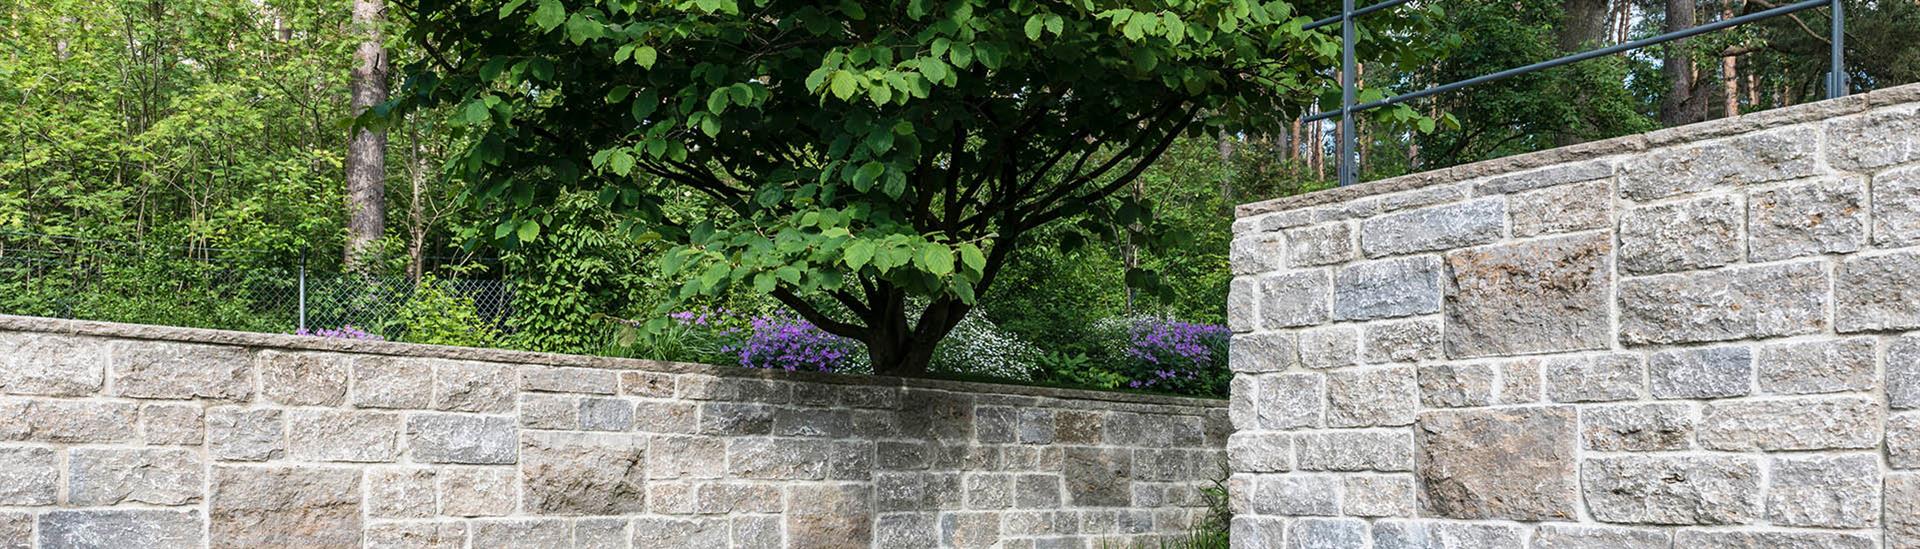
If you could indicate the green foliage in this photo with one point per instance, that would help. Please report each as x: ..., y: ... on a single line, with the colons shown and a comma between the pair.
x: 436, y: 314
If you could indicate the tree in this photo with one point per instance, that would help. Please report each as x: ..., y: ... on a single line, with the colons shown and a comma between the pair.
x: 367, y: 150
x: 1682, y: 104
x: 876, y: 162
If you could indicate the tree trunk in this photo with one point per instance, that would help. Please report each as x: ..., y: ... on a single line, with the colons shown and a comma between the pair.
x: 1730, y: 75
x: 366, y: 151
x: 1583, y: 23
x: 417, y: 221
x: 1680, y: 106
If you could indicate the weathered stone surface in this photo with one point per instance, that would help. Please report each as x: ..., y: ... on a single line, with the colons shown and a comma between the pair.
x: 1603, y: 378
x: 459, y: 438
x: 1520, y: 382
x: 284, y: 507
x: 474, y: 387
x: 1297, y: 298
x: 388, y: 382
x: 1403, y: 341
x: 1787, y: 153
x: 1880, y: 292
x: 1723, y: 539
x: 1637, y: 427
x: 1672, y: 489
x: 523, y: 534
x: 336, y: 435
x: 1512, y: 463
x: 1709, y: 372
x: 1549, y: 176
x: 1567, y: 536
x: 181, y: 371
x: 241, y: 434
x: 112, y: 476
x: 755, y: 531
x: 66, y: 421
x: 1824, y: 491
x: 666, y: 416
x: 51, y: 365
x: 1263, y: 352
x: 1902, y: 499
x: 582, y: 473
x: 907, y: 530
x: 1379, y: 496
x: 103, y: 528
x: 1790, y: 424
x: 1725, y: 304
x: 1424, y: 534
x: 988, y: 491
x: 1329, y: 347
x: 1326, y: 533
x: 1078, y: 427
x: 1562, y: 209
x: 1255, y: 531
x: 1896, y: 208
x: 1903, y: 373
x: 647, y: 384
x: 544, y: 411
x: 995, y: 424
x: 400, y: 492
x: 829, y: 515
x: 1412, y: 198
x: 1387, y: 288
x: 29, y: 476
x: 16, y: 530
x: 1434, y: 228
x: 1879, y: 138
x: 1260, y: 452
x: 416, y: 535
x: 1323, y: 244
x: 1036, y: 491
x: 1243, y: 404
x: 1243, y: 302
x: 777, y: 458
x: 974, y: 530
x: 1371, y: 450
x: 1297, y: 495
x: 303, y: 379
x: 569, y: 380
x: 686, y: 457
x: 1694, y: 234
x: 1828, y: 366
x: 172, y: 424
x: 1292, y: 401
x: 477, y: 491
x: 677, y: 532
x: 1456, y: 385
x: 1903, y: 441
x: 606, y: 414
x: 1036, y: 426
x: 1531, y: 297
x: 1098, y: 477
x: 720, y: 498
x: 1824, y: 216
x: 1374, y: 397
x: 1258, y: 253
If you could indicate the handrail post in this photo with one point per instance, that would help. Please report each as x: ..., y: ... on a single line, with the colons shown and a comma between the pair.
x: 1347, y: 136
x: 303, y: 291
x: 1837, y: 73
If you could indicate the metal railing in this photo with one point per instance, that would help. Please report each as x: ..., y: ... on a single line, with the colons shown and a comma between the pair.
x: 1348, y: 170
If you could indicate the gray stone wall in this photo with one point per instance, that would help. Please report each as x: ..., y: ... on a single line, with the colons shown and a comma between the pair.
x: 1699, y: 337
x: 128, y: 436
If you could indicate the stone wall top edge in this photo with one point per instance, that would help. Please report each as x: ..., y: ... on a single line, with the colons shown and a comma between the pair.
x: 116, y: 330
x: 1711, y: 129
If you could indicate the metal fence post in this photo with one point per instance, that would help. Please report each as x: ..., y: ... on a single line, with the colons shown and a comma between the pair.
x: 1837, y: 73
x: 303, y: 291
x: 1347, y: 137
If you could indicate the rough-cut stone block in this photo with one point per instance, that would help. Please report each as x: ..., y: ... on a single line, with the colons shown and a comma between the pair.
x: 569, y: 380
x: 1079, y: 427
x: 647, y: 384
x: 1037, y: 491
x: 400, y: 492
x: 1777, y: 155
x: 1877, y: 293
x: 1243, y: 301
x: 1329, y: 347
x: 1569, y: 536
x: 975, y: 530
x: 335, y: 435
x: 1387, y: 288
x: 1902, y: 498
x: 727, y: 418
x: 1743, y: 539
x: 1550, y: 176
x: 1371, y: 450
x: 1790, y: 424
x: 1546, y: 295
x: 1903, y: 441
x: 1828, y: 366
x: 606, y: 414
x: 1243, y: 404
x: 544, y: 411
x: 144, y: 369
x: 16, y: 530
x: 1513, y: 463
x: 1378, y: 496
x: 583, y: 473
x: 1297, y: 298
x: 238, y: 434
x: 1326, y: 533
x: 1258, y: 253
x: 172, y: 424
x: 474, y: 387
x: 1672, y: 489
x: 687, y: 457
x: 1825, y: 216
x: 666, y: 416
x: 29, y: 476
x: 1878, y: 138
x: 1098, y: 477
x: 1297, y: 495
x: 1896, y: 208
x: 679, y: 532
x: 1725, y: 304
x: 458, y: 438
x: 1323, y: 244
x: 284, y: 507
x: 1561, y: 209
x: 416, y: 535
x: 1423, y: 534
x: 111, y: 476
x: 303, y: 379
x: 995, y: 424
x: 1260, y: 452
x: 1709, y: 372
x: 1637, y: 427
x: 477, y: 491
x: 1254, y: 531
x: 66, y: 421
x: 720, y: 498
x: 777, y: 458
x: 1520, y: 382
x: 1456, y: 385
x: 829, y: 515
x: 388, y: 382
x: 1824, y: 491
x: 523, y: 534
x: 1292, y: 401
x: 1695, y: 234
x: 1604, y: 378
x: 1903, y: 373
x: 1263, y: 352
x: 1403, y: 341
x: 1374, y: 397
x: 754, y: 531
x: 1434, y: 228
x: 104, y: 528
x: 1396, y: 201
x: 907, y: 530
x: 52, y: 365
x: 988, y: 491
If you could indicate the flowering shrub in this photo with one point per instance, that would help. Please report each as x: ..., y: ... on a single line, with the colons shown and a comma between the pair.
x: 792, y: 344
x: 1180, y: 357
x: 978, y: 347
x: 343, y: 332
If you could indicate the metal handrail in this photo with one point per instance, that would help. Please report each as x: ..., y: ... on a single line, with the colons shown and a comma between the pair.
x: 1836, y: 75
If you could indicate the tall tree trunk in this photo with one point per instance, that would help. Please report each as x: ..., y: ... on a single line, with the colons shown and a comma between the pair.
x: 417, y: 221
x: 1680, y: 106
x: 366, y: 151
x: 1729, y: 75
x: 1583, y: 23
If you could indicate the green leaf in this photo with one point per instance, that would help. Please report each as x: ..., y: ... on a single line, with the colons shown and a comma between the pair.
x: 937, y: 259
x: 1426, y: 125
x: 644, y: 105
x: 880, y: 94
x: 843, y: 83
x: 618, y: 94
x: 858, y: 254
x: 961, y: 54
x: 1055, y: 24
x: 621, y: 161
x: 549, y: 15
x: 645, y: 56
x: 971, y: 257
x: 477, y: 112
x: 528, y: 231
x: 1035, y: 25
x: 717, y: 101
x: 511, y: 5
x: 763, y: 283
x: 710, y: 125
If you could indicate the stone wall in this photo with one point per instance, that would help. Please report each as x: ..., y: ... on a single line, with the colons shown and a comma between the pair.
x: 116, y: 435
x: 1697, y: 337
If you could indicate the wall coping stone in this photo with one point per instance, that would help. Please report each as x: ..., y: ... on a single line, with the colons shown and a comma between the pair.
x: 310, y: 343
x: 1806, y: 112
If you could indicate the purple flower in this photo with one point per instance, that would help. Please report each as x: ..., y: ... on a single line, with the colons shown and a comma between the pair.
x: 792, y: 344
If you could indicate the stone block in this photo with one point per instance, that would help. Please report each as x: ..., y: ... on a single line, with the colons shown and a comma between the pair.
x: 1387, y: 288
x: 666, y: 416
x: 336, y: 435
x: 1036, y: 491
x: 593, y: 381
x: 1777, y: 155
x: 144, y: 369
x: 241, y: 434
x: 1293, y: 299
x: 545, y: 411
x: 995, y: 424
x: 1519, y: 383
x: 1251, y: 452
x: 1243, y: 404
x: 524, y: 534
x: 1329, y: 347
x: 29, y: 476
x: 1403, y: 341
x: 105, y: 528
x: 679, y: 532
x: 1539, y: 296
x: 67, y: 421
x: 907, y: 530
x: 1827, y: 366
x: 1874, y: 139
x: 284, y: 507
x: 1672, y: 489
x: 1694, y: 234
x: 303, y: 378
x: 1263, y: 352
x: 973, y: 530
x: 756, y: 531
x: 388, y: 382
x: 1562, y: 209
x: 647, y: 384
x: 1550, y: 176
x: 1571, y: 536
x: 1297, y: 495
x: 1725, y: 304
x: 416, y: 535
x: 1378, y: 496
x: 1699, y: 373
x: 988, y: 491
x: 463, y: 439
x: 1434, y: 228
x: 173, y: 424
x: 1370, y: 450
x: 1790, y: 424
x: 1822, y: 217
x: 1903, y: 373
x: 1291, y: 401
x: 686, y: 457
x: 477, y: 491
x: 102, y: 477
x: 1257, y: 253
x: 1832, y: 491
x: 1317, y: 245
x: 474, y: 387
x: 1243, y: 302
x: 1637, y: 427
x: 52, y: 365
x: 1079, y: 427
x: 1874, y: 293
x: 1433, y: 534
x: 1373, y: 397
x: 721, y: 498
x: 1326, y: 533
x: 1428, y: 195
x: 727, y: 418
x: 583, y: 473
x: 1903, y: 441
x: 606, y: 414
x: 1253, y: 531
x: 1902, y: 498
x: 1746, y: 539
x: 1604, y: 378
x: 1510, y: 463
x: 400, y: 493
x: 1456, y: 385
x: 1097, y: 477
x: 612, y: 533
x: 1036, y: 426
x: 777, y: 458
x: 829, y: 515
x: 16, y: 530
x: 1896, y: 208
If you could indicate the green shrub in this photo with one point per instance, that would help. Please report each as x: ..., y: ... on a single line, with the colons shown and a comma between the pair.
x: 438, y: 315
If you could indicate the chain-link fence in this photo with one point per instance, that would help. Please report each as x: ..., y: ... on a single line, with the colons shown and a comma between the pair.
x: 205, y: 287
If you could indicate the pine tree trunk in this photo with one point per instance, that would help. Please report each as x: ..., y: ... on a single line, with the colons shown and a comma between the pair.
x: 366, y: 152
x: 1730, y: 75
x: 1680, y: 107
